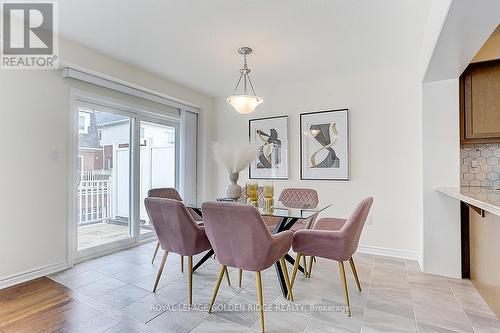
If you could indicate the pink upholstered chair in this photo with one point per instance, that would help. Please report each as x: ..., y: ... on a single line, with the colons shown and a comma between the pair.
x: 165, y: 192
x: 301, y: 198
x: 177, y: 232
x: 338, y: 245
x: 240, y: 239
x: 325, y: 223
x: 170, y: 193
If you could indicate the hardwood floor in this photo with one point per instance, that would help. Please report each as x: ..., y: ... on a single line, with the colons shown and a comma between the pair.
x: 43, y: 305
x: 36, y: 306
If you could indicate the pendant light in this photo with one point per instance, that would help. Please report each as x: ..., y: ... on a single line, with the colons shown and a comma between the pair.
x: 244, y: 103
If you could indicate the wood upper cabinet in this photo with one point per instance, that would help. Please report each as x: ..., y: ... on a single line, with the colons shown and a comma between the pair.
x: 480, y: 103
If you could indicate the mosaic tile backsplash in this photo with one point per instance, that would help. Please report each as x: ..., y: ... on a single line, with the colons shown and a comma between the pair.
x: 480, y: 165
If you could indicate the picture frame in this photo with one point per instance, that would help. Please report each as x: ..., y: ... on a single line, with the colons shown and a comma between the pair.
x: 271, y: 135
x: 324, y: 145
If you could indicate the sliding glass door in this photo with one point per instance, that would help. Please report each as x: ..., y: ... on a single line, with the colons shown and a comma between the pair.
x: 120, y: 155
x: 158, y: 162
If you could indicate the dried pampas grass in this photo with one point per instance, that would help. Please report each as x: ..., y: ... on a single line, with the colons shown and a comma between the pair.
x: 234, y: 159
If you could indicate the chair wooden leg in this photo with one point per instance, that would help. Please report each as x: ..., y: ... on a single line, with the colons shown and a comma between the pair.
x: 240, y: 277
x: 310, y: 268
x: 355, y: 272
x: 287, y: 278
x: 217, y: 285
x: 160, y: 270
x: 344, y: 284
x: 261, y: 301
x: 295, y: 268
x: 305, y: 265
x: 182, y: 264
x: 190, y: 279
x: 227, y: 277
x: 156, y: 251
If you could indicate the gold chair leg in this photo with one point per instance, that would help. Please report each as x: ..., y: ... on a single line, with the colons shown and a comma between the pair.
x: 287, y: 278
x: 295, y: 268
x: 156, y: 251
x: 240, y: 277
x: 305, y: 265
x: 310, y: 268
x: 190, y: 279
x: 344, y: 284
x: 217, y: 285
x: 355, y: 272
x: 227, y: 276
x: 160, y: 270
x: 182, y: 264
x: 261, y: 301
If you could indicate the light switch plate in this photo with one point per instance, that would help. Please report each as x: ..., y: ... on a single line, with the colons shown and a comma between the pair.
x: 54, y: 155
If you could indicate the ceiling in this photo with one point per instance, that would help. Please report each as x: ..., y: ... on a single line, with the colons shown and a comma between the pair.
x: 195, y: 42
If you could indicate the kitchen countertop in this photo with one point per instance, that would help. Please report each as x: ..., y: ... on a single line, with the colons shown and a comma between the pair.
x: 482, y: 197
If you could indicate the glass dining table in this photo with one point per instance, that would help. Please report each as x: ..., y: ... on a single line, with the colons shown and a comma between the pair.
x: 288, y: 216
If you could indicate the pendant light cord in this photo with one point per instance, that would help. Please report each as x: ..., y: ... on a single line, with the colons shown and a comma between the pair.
x: 246, y: 76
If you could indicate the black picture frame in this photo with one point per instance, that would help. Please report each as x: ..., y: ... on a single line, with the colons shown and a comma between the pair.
x: 305, y: 114
x: 287, y: 162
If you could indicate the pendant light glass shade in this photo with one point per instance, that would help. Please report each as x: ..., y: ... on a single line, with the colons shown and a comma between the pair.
x: 244, y: 103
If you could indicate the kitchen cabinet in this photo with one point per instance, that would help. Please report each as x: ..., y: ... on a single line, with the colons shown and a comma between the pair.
x: 480, y: 103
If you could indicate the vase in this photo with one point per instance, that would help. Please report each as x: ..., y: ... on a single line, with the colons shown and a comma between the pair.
x: 234, y: 190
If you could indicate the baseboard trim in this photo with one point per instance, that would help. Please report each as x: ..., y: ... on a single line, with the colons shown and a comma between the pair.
x: 25, y: 276
x: 381, y: 251
x: 36, y: 273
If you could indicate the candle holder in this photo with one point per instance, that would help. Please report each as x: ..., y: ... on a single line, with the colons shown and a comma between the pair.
x: 268, y: 197
x: 252, y: 193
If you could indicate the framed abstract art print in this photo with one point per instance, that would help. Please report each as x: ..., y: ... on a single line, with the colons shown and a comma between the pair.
x: 271, y: 136
x: 324, y: 145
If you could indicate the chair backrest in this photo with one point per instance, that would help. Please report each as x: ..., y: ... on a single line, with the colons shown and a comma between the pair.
x: 237, y: 233
x: 176, y: 229
x: 351, y: 231
x: 171, y: 193
x: 165, y: 192
x: 299, y: 198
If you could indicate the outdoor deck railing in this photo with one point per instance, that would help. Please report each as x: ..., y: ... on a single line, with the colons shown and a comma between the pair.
x: 94, y: 196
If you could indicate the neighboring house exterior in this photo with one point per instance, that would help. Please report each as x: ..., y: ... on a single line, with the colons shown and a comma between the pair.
x: 90, y: 152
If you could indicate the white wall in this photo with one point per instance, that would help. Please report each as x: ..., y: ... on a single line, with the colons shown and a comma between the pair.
x: 385, y: 147
x: 34, y: 106
x: 441, y: 164
x: 435, y: 21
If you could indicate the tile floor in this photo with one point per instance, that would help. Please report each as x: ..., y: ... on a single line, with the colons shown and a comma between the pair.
x: 396, y: 297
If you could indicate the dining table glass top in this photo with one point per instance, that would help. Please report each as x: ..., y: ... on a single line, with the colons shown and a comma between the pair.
x: 280, y: 210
